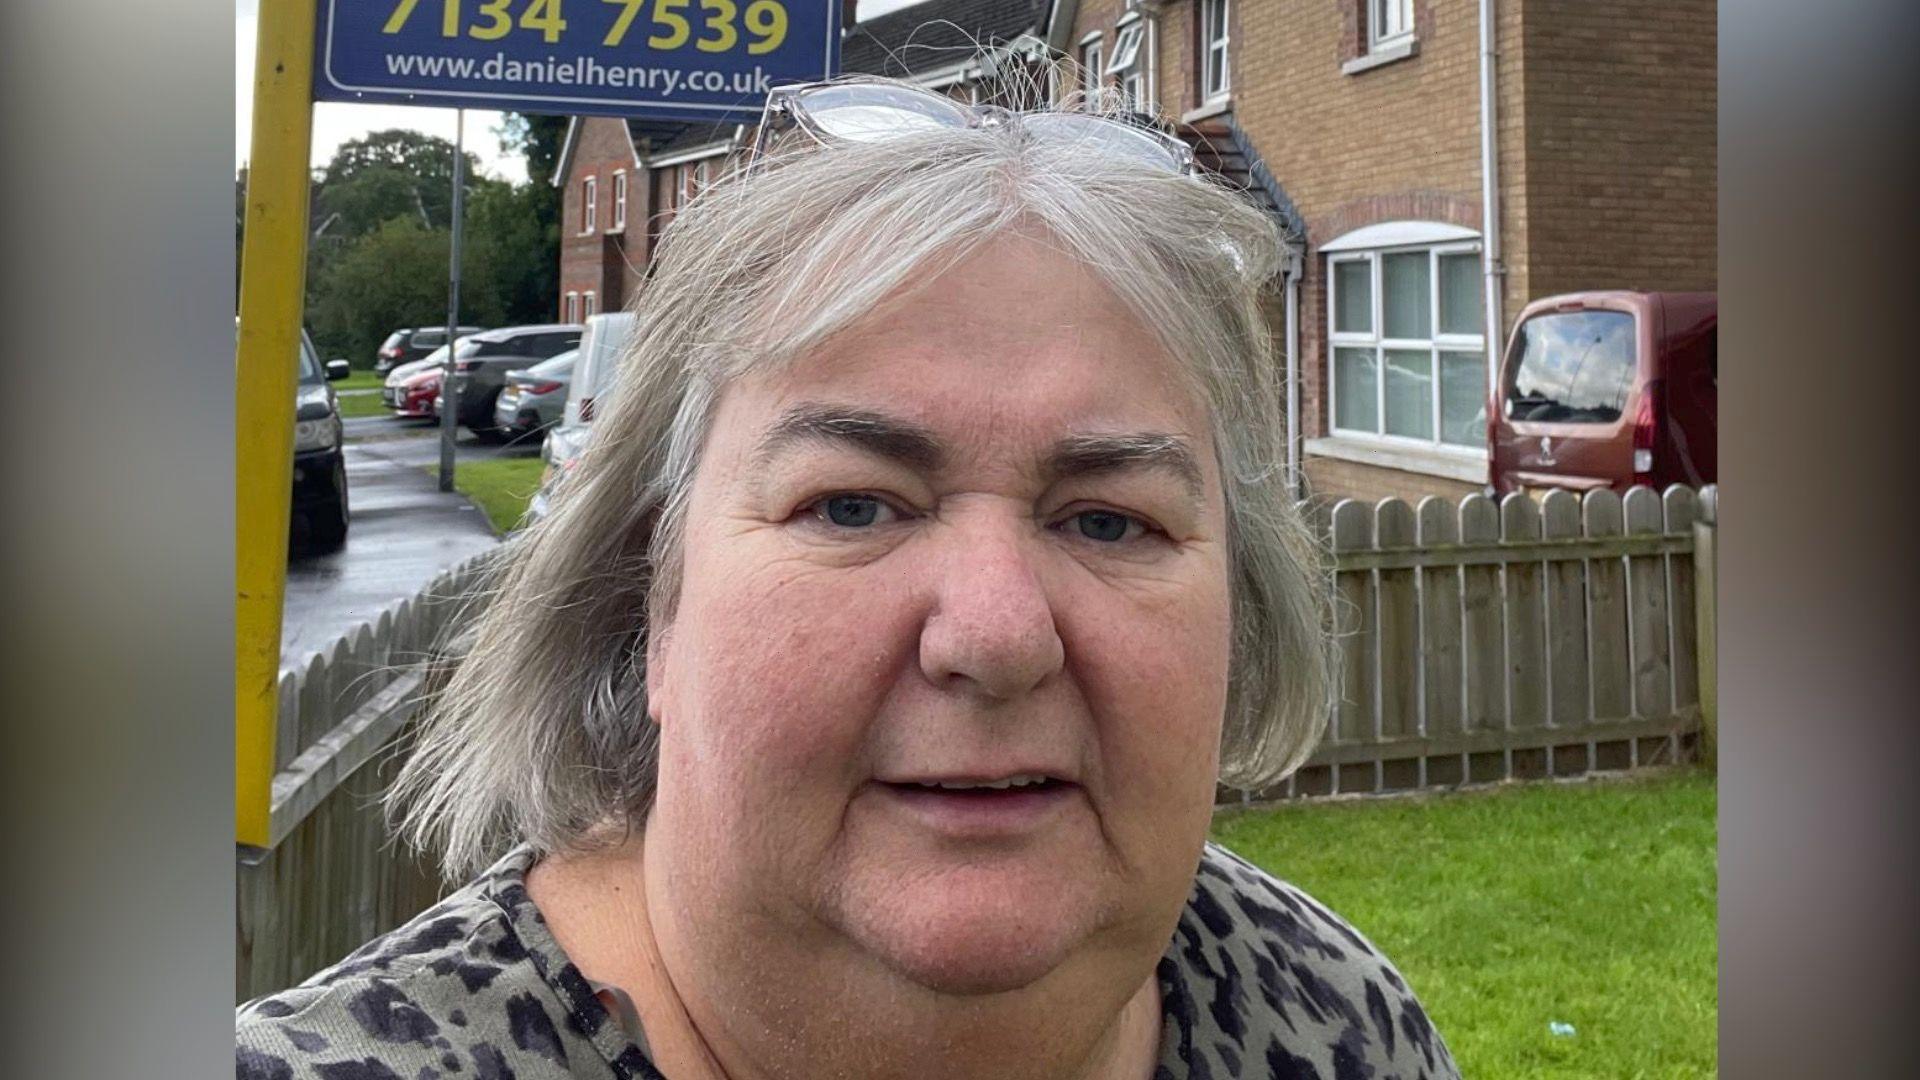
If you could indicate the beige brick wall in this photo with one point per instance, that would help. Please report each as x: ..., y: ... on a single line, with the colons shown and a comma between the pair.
x: 1330, y: 478
x: 1622, y: 179
x: 1607, y: 145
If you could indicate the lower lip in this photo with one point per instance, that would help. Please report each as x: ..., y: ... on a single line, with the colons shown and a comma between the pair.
x: 981, y: 813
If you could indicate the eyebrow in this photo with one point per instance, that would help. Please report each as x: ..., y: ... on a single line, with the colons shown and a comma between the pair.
x: 1086, y: 455
x: 916, y: 447
x: 871, y: 432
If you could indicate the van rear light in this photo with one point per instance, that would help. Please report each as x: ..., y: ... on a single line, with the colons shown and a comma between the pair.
x: 542, y: 387
x: 586, y: 410
x: 1644, y: 419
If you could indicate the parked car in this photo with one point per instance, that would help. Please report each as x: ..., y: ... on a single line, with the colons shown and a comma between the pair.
x: 534, y: 400
x: 1608, y: 389
x: 400, y: 373
x: 317, y: 523
x: 415, y: 397
x: 606, y: 334
x: 319, y: 520
x: 480, y: 374
x: 412, y: 343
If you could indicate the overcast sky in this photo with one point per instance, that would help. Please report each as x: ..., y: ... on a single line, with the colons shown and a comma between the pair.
x: 335, y: 122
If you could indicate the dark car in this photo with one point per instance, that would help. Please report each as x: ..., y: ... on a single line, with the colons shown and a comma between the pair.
x: 1608, y: 390
x: 412, y: 343
x: 480, y: 374
x: 319, y: 521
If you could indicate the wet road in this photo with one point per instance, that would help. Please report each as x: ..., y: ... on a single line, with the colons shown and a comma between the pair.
x: 402, y: 532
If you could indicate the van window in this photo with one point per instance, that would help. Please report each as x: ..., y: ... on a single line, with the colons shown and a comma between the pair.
x: 429, y: 339
x: 1572, y: 367
x: 394, y: 340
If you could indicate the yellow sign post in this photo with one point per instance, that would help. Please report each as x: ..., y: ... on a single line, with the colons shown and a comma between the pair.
x: 273, y: 264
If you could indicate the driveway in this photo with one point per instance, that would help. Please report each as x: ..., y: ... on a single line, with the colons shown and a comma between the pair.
x: 403, y: 532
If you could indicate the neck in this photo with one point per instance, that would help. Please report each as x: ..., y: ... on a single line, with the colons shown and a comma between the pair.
x: 712, y: 1009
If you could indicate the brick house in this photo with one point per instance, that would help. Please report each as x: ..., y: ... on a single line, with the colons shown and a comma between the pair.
x: 1358, y: 122
x: 623, y: 180
x: 1358, y: 125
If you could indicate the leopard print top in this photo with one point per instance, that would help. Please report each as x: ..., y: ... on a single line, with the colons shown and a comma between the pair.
x: 1259, y: 980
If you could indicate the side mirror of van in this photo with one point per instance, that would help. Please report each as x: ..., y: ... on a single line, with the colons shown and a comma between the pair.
x: 337, y: 369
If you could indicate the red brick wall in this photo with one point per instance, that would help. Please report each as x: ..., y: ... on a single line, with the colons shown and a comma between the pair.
x: 599, y: 261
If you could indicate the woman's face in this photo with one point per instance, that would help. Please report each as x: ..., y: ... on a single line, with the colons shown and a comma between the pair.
x: 945, y: 681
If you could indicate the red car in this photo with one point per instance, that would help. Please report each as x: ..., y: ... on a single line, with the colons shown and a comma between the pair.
x: 1609, y: 390
x: 414, y: 396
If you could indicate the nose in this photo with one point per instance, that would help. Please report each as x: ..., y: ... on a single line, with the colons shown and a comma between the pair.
x: 991, y: 630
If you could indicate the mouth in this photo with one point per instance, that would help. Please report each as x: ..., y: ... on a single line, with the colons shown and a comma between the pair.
x: 982, y: 807
x: 1020, y: 782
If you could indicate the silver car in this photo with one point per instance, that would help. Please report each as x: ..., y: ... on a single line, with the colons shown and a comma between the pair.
x: 535, y: 398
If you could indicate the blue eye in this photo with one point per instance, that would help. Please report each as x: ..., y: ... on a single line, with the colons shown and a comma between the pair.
x: 1103, y: 525
x: 851, y: 511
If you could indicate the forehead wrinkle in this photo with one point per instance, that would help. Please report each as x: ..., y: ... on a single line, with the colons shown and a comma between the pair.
x: 1082, y: 455
x: 865, y: 430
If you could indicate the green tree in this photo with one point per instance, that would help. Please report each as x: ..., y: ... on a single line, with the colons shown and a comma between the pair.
x: 396, y: 276
x: 512, y: 250
x: 386, y: 175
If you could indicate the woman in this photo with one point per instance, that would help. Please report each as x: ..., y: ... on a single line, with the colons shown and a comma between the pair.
x: 858, y: 710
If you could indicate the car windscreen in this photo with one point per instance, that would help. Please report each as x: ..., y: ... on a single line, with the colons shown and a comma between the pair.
x: 310, y: 369
x: 1572, y: 367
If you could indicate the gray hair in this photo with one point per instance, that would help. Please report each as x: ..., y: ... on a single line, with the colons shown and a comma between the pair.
x: 541, y: 735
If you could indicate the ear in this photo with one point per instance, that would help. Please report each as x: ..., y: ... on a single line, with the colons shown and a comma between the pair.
x: 659, y: 648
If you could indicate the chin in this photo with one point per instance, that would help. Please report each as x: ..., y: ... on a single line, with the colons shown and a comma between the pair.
x: 970, y: 931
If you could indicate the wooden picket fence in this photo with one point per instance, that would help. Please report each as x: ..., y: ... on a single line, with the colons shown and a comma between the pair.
x: 330, y: 877
x: 1477, y: 642
x: 1487, y: 641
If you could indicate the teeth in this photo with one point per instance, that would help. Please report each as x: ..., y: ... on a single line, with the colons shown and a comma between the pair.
x: 995, y: 785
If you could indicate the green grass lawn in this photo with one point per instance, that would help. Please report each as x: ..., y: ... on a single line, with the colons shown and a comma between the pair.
x: 362, y: 405
x: 501, y: 486
x: 361, y: 380
x: 1591, y: 904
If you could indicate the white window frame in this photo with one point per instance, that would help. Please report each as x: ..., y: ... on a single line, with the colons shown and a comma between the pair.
x: 1215, y: 49
x: 589, y: 204
x: 1131, y: 64
x: 1389, y: 23
x: 1377, y: 340
x: 572, y: 312
x: 1092, y: 69
x: 589, y: 305
x: 619, y: 201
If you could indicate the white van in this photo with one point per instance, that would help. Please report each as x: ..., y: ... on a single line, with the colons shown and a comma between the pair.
x: 600, y: 347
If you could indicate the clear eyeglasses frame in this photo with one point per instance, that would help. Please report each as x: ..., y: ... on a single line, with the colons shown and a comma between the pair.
x: 872, y: 111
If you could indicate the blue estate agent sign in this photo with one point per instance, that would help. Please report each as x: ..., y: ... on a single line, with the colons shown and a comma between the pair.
x: 674, y: 59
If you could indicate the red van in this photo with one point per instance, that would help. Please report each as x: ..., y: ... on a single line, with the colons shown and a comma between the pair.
x: 1608, y: 389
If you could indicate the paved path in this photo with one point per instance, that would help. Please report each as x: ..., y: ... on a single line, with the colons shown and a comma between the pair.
x: 403, y: 530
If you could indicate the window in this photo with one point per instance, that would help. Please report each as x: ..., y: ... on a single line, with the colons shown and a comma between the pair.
x: 1216, y: 77
x: 1575, y: 367
x: 589, y: 197
x: 1389, y: 22
x: 590, y: 304
x: 1130, y: 64
x: 570, y: 311
x: 620, y: 199
x: 1090, y: 69
x: 1409, y: 354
